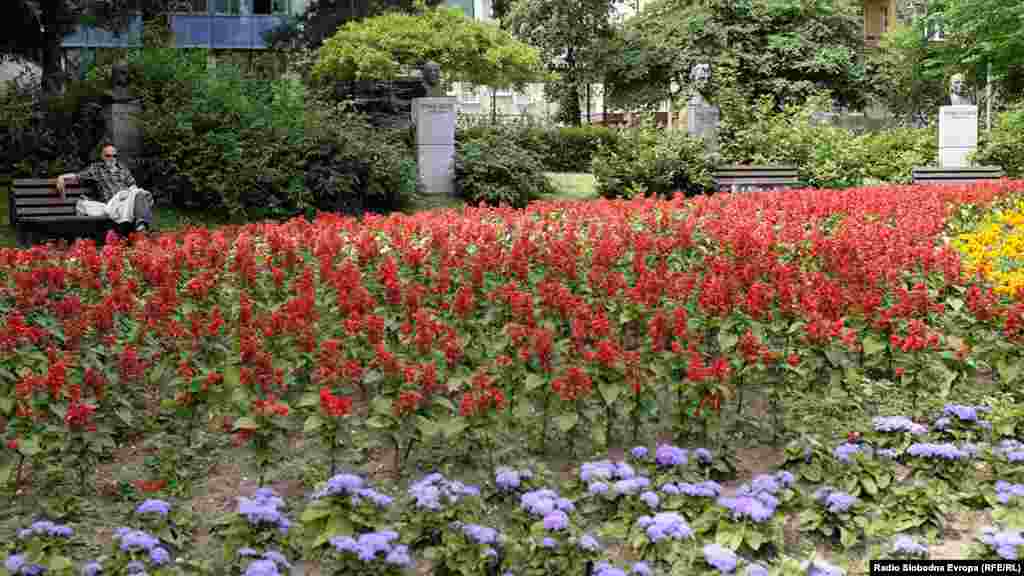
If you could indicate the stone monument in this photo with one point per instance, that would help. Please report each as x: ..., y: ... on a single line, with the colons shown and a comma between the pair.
x: 701, y: 117
x: 434, y: 116
x: 958, y: 126
x: 122, y: 117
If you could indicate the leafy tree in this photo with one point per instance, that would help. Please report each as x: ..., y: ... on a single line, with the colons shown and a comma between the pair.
x: 382, y: 47
x: 979, y: 32
x: 786, y: 49
x: 573, y: 37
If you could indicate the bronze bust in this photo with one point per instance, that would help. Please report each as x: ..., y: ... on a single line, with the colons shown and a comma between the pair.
x: 431, y: 72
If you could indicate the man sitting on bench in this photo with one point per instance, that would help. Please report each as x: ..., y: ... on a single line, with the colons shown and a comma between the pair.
x: 122, y: 200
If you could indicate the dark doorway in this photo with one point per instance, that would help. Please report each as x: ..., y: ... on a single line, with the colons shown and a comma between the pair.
x: 261, y: 7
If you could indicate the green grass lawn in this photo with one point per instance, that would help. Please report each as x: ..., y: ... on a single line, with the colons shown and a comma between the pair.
x: 569, y: 186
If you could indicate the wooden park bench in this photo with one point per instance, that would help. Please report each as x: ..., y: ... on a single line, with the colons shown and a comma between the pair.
x: 740, y: 178
x: 935, y: 175
x: 37, y: 213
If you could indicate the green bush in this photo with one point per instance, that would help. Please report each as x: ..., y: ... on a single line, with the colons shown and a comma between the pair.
x: 561, y: 149
x: 492, y: 169
x: 1004, y: 147
x: 646, y: 160
x: 259, y: 148
x: 45, y: 135
x: 826, y: 156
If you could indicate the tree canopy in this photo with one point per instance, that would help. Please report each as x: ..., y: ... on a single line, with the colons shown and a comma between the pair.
x: 573, y: 36
x: 383, y: 47
x: 979, y: 32
x: 787, y: 49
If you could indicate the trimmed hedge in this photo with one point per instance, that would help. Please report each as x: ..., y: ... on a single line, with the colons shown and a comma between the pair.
x: 560, y: 149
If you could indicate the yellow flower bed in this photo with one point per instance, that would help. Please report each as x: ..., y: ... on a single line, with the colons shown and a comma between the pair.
x: 996, y: 248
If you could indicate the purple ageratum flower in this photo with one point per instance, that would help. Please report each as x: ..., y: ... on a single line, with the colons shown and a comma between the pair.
x: 703, y: 455
x: 259, y: 510
x: 888, y: 453
x: 640, y: 569
x: 754, y: 508
x: 92, y: 569
x: 539, y: 502
x: 723, y: 559
x: 624, y: 471
x: 339, y: 485
x: 248, y: 552
x: 706, y: 489
x: 46, y: 528
x: 548, y: 542
x: 600, y: 470
x: 963, y: 413
x: 1006, y: 544
x: 507, y: 479
x: 565, y: 505
x: 839, y: 502
x: 159, y: 556
x: 555, y: 521
x: 942, y: 423
x: 639, y: 452
x: 369, y: 546
x: 135, y: 567
x: 631, y: 486
x: 153, y: 506
x: 650, y: 498
x: 14, y: 563
x: 668, y: 455
x: 821, y: 568
x: 898, y: 424
x: 379, y: 500
x: 133, y: 540
x: 261, y: 568
x: 904, y: 544
x: 1006, y: 491
x: 665, y: 525
x: 843, y: 452
x: 277, y: 558
x: 598, y: 488
x: 606, y: 569
x: 942, y: 451
x: 589, y: 543
x: 785, y: 478
x: 434, y: 492
x: 480, y: 534
x: 756, y: 570
x: 399, y: 556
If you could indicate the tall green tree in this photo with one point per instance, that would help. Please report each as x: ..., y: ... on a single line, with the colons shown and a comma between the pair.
x: 979, y: 32
x: 383, y: 47
x: 786, y: 49
x: 573, y: 37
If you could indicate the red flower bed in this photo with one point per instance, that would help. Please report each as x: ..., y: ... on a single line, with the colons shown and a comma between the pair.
x: 575, y: 313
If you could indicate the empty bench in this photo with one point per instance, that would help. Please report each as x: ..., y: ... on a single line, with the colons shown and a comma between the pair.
x: 740, y: 178
x: 38, y: 213
x: 966, y: 175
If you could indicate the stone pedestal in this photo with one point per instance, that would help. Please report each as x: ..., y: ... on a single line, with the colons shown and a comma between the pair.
x: 123, y: 130
x: 958, y: 135
x: 435, y: 143
x: 702, y: 122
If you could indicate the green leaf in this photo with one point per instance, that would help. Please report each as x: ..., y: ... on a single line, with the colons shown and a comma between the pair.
x: 6, y: 405
x: 847, y: 538
x: 246, y: 423
x: 125, y: 415
x: 754, y: 539
x: 869, y: 485
x: 313, y: 513
x: 29, y: 446
x: 59, y: 564
x: 442, y: 401
x: 566, y: 422
x: 534, y: 381
x: 313, y: 423
x: 609, y: 391
x: 1008, y: 371
x: 872, y: 345
x: 727, y: 340
x: 381, y: 405
x: 453, y: 427
x: 309, y: 400
x: 427, y: 427
x: 377, y: 422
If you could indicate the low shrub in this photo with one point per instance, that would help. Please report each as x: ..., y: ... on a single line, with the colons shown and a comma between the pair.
x: 1005, y: 145
x: 646, y: 160
x: 260, y: 148
x: 560, y: 149
x: 494, y: 170
x: 44, y: 135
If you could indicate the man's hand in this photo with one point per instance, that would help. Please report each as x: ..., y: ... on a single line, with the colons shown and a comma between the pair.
x: 61, y: 185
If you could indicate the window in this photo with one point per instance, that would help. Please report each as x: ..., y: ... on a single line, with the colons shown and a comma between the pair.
x: 469, y: 93
x: 189, y: 6
x: 885, y: 18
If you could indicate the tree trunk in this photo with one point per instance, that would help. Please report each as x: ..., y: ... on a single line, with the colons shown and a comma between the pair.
x: 52, y: 76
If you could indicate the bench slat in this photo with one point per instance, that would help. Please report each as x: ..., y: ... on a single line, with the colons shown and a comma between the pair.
x: 55, y: 210
x: 60, y: 218
x: 28, y: 202
x: 733, y: 177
